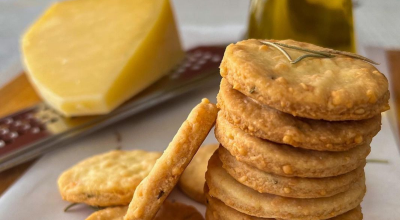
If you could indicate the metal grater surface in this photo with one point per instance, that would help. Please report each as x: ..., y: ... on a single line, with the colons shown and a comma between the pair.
x: 34, y: 131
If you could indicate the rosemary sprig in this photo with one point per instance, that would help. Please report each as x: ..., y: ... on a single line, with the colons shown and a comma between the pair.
x: 352, y: 55
x: 70, y: 206
x: 118, y: 138
x: 314, y: 53
x: 377, y: 161
x: 95, y: 208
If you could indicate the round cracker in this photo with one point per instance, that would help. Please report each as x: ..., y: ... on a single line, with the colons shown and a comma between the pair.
x: 153, y: 190
x: 111, y: 213
x: 192, y: 180
x: 268, y: 123
x: 217, y: 210
x: 168, y: 211
x: 283, y: 159
x: 107, y: 179
x: 248, y: 201
x: 334, y: 89
x: 295, y: 187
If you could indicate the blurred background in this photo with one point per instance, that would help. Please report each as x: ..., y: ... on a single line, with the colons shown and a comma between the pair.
x: 207, y: 22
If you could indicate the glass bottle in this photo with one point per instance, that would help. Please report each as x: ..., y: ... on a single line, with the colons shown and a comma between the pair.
x: 327, y: 23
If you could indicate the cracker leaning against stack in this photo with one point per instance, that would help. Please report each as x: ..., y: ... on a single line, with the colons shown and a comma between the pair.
x: 294, y: 136
x: 113, y: 179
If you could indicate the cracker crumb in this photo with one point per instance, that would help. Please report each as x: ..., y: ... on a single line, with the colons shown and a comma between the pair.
x: 205, y: 100
x: 304, y: 86
x: 242, y: 151
x: 281, y: 80
x: 263, y: 47
x: 251, y: 128
x: 176, y: 171
x: 371, y: 95
x: 287, y: 139
x: 287, y: 169
x: 337, y: 98
x: 358, y: 139
x: 349, y: 105
x: 280, y: 67
x: 243, y: 178
x: 328, y: 72
x: 360, y: 111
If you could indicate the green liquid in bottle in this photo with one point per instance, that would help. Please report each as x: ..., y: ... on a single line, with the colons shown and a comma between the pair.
x: 327, y: 23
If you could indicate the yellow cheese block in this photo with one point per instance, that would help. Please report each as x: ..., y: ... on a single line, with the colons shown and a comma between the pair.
x: 86, y: 57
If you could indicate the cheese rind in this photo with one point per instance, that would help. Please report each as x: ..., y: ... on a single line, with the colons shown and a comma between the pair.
x: 86, y: 57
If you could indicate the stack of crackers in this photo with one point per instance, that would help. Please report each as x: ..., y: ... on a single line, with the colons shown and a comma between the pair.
x: 294, y: 135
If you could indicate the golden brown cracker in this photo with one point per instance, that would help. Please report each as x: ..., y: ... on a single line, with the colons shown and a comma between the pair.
x: 192, y: 180
x: 217, y: 210
x: 283, y: 159
x: 168, y: 211
x: 267, y: 123
x: 334, y: 89
x: 152, y: 191
x: 107, y: 179
x: 295, y: 187
x: 111, y: 213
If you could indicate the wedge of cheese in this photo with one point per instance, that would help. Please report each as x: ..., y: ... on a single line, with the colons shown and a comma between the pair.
x: 86, y: 57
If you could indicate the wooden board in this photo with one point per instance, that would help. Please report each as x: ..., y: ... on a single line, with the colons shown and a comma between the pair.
x: 16, y: 95
x: 393, y: 57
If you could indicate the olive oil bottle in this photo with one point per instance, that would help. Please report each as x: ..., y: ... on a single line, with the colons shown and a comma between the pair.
x: 327, y: 23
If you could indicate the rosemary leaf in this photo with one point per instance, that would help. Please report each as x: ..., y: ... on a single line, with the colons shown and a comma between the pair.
x: 329, y: 53
x: 96, y: 208
x: 70, y: 206
x: 377, y: 161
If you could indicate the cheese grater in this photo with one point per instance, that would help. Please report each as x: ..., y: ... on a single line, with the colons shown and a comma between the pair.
x: 32, y: 132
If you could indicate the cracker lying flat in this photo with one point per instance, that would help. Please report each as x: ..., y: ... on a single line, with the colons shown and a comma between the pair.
x: 286, y: 160
x: 295, y: 187
x: 107, y: 179
x: 168, y: 211
x: 112, y: 213
x: 267, y: 123
x: 334, y: 89
x: 246, y: 200
x: 153, y: 190
x: 192, y: 180
x: 217, y: 210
